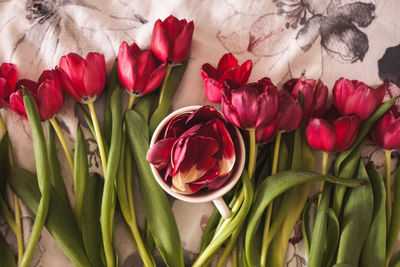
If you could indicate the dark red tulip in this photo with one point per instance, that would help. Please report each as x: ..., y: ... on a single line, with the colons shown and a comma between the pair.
x: 171, y: 39
x: 138, y: 71
x: 355, y: 97
x: 83, y: 79
x: 8, y: 80
x: 290, y: 112
x: 47, y: 93
x: 315, y: 95
x: 336, y: 136
x: 228, y: 68
x: 196, y: 151
x: 386, y: 132
x: 266, y: 134
x: 253, y: 105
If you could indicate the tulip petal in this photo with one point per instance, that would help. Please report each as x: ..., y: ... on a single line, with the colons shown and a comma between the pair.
x: 4, y: 90
x: 242, y: 73
x: 159, y: 154
x: 213, y: 90
x: 173, y: 27
x: 346, y: 129
x: 341, y: 91
x: 290, y: 113
x: 16, y: 103
x: 377, y: 132
x: 391, y: 137
x: 227, y: 62
x: 73, y: 65
x: 183, y: 43
x: 94, y: 74
x: 176, y: 126
x: 126, y: 67
x: 246, y: 102
x: 155, y: 79
x: 267, y: 106
x: 9, y: 72
x: 361, y: 102
x: 49, y: 99
x: 160, y: 43
x: 321, y: 135
x: 67, y: 85
x: 208, y: 71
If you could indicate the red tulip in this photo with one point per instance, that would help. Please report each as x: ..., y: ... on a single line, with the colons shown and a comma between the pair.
x: 386, y: 132
x: 196, y: 152
x: 355, y: 97
x: 266, y: 134
x: 83, y: 79
x: 8, y: 79
x: 290, y: 112
x: 47, y: 93
x: 138, y: 70
x: 253, y: 105
x: 171, y: 39
x: 336, y: 136
x: 228, y: 68
x: 315, y: 95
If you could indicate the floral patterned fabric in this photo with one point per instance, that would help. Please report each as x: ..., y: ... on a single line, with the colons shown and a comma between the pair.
x: 326, y: 39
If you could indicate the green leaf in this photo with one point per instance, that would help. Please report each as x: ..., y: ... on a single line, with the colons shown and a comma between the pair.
x: 144, y: 105
x: 155, y: 202
x: 395, y: 261
x: 57, y: 180
x: 332, y: 238
x: 111, y: 86
x: 357, y: 216
x: 363, y: 131
x: 395, y: 220
x: 209, y: 231
x: 167, y: 95
x: 374, y: 250
x: 319, y: 233
x: 4, y: 162
x: 43, y: 175
x: 268, y: 190
x: 109, y: 192
x: 305, y: 224
x: 60, y: 221
x: 91, y: 229
x: 6, y: 255
x: 81, y: 173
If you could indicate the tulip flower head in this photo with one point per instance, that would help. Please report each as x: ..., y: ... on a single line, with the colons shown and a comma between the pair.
x: 8, y: 80
x: 290, y: 113
x: 253, y: 105
x: 332, y: 136
x: 196, y: 151
x: 314, y: 95
x: 228, y: 68
x: 83, y: 78
x: 171, y: 39
x: 355, y: 97
x: 386, y: 132
x: 47, y: 93
x: 138, y: 70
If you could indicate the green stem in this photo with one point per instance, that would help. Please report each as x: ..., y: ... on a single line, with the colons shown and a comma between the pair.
x: 63, y: 142
x: 98, y: 137
x: 388, y: 188
x: 325, y: 157
x: 227, y: 250
x: 265, y: 243
x: 131, y: 101
x: 251, y: 166
x: 17, y: 227
x: 164, y: 84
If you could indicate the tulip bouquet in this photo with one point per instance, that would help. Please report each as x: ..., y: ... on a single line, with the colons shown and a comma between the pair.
x: 351, y: 221
x: 85, y: 230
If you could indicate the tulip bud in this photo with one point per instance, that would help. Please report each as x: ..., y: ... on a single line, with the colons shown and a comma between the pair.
x: 315, y: 95
x: 227, y: 69
x: 171, y: 39
x: 138, y: 71
x: 196, y: 152
x: 338, y: 136
x: 250, y: 106
x: 83, y: 79
x: 386, y: 132
x: 47, y: 93
x: 355, y: 97
x: 8, y: 80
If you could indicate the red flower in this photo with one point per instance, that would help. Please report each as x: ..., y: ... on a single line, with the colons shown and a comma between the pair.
x: 8, y: 79
x: 228, y: 68
x: 290, y: 113
x: 267, y: 133
x: 83, y: 79
x: 355, y: 97
x: 47, y: 93
x: 250, y: 106
x: 336, y: 136
x: 171, y: 39
x: 386, y: 132
x: 196, y: 152
x: 315, y: 95
x: 138, y: 71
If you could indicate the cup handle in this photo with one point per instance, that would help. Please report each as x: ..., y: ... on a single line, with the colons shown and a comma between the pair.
x: 222, y: 208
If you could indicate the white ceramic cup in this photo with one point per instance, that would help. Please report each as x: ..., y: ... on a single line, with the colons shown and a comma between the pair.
x: 203, y: 195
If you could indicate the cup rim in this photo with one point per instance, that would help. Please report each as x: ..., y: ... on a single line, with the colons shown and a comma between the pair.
x: 212, y: 194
